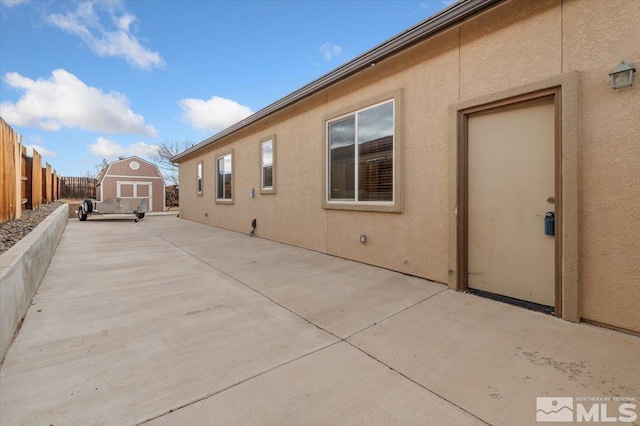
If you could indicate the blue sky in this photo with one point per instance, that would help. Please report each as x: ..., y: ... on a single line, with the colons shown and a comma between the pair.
x: 87, y: 80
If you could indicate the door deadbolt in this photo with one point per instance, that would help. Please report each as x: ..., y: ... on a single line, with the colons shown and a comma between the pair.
x: 549, y: 223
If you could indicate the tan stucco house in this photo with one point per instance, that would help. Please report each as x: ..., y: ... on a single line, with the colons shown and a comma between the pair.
x: 484, y: 148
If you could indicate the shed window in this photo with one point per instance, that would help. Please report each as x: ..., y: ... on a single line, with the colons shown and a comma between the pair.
x: 266, y: 153
x: 224, y: 178
x: 360, y: 161
x: 199, y: 179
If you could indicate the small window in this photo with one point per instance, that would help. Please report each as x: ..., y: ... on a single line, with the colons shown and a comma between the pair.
x: 224, y: 190
x: 267, y: 166
x: 360, y: 169
x: 199, y: 179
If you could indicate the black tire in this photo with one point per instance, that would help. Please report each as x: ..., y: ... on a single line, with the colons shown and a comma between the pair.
x: 82, y: 216
x: 140, y: 215
x: 88, y: 206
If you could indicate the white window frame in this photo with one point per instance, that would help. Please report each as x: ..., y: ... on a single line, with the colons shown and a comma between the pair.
x: 199, y: 178
x: 395, y: 205
x: 268, y: 189
x: 225, y: 200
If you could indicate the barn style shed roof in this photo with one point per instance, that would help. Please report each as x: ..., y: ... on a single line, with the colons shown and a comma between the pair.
x: 444, y: 19
x: 105, y: 172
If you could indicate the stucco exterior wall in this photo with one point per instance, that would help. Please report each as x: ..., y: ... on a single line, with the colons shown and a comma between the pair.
x: 511, y: 45
x: 597, y: 36
x: 514, y: 44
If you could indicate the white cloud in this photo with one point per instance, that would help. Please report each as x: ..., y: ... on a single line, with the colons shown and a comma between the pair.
x: 87, y: 24
x: 41, y: 150
x: 124, y: 22
x: 142, y: 149
x: 330, y: 50
x: 105, y: 148
x: 65, y: 101
x: 214, y: 114
x: 11, y: 3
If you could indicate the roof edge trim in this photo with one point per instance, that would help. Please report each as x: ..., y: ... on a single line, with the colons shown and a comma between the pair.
x: 442, y: 20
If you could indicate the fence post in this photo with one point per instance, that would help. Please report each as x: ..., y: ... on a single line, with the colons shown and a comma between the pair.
x: 24, y: 179
x: 9, y: 147
x: 17, y: 161
x: 46, y: 184
x: 54, y: 195
x: 29, y: 174
x: 37, y: 179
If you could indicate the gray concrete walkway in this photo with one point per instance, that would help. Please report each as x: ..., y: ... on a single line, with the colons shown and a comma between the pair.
x: 170, y: 322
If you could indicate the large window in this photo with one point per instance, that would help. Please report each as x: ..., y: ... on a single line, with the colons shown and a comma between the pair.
x: 361, y: 151
x: 224, y: 178
x: 267, y: 166
x: 199, y: 179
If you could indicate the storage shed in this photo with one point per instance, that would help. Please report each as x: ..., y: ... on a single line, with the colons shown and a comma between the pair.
x: 132, y: 177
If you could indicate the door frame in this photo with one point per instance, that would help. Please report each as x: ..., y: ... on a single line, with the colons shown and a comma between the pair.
x: 463, y: 189
x: 563, y: 90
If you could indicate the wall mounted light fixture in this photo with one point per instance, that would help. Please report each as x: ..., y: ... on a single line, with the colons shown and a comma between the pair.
x: 622, y: 75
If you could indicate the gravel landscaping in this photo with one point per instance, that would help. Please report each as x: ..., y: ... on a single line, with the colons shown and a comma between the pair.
x: 14, y: 230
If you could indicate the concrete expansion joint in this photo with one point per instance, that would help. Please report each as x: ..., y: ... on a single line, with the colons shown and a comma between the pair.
x: 228, y: 274
x: 338, y: 341
x: 233, y: 385
x: 418, y: 384
x: 419, y: 302
x: 346, y: 340
x: 319, y: 338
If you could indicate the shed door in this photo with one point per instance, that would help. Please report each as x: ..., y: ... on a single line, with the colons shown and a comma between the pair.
x: 511, y: 185
x: 135, y: 190
x: 143, y: 190
x: 125, y: 190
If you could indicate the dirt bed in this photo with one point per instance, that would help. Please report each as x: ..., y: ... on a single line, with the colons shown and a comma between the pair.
x: 13, y: 231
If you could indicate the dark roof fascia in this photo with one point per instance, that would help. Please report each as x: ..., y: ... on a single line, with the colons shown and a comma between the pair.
x: 444, y: 19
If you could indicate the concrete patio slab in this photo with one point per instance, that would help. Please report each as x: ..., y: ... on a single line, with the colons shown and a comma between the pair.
x: 226, y: 250
x: 341, y: 296
x: 338, y: 295
x: 175, y: 322
x: 107, y: 255
x: 337, y: 385
x: 121, y: 356
x: 494, y: 359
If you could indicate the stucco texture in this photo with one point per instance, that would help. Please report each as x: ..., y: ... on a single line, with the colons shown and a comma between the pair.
x: 511, y: 45
x: 514, y: 44
x: 596, y: 39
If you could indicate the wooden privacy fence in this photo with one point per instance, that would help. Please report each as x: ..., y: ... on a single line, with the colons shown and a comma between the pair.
x: 24, y: 183
x: 171, y: 196
x: 77, y: 187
